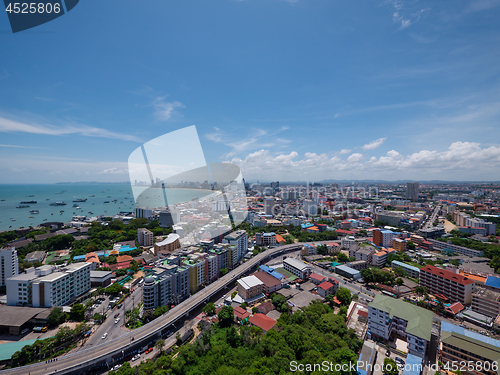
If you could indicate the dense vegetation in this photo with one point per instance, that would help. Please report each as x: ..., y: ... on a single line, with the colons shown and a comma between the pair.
x: 312, y: 335
x: 293, y: 233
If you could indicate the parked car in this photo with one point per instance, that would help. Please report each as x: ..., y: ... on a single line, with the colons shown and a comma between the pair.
x: 149, y: 350
x: 388, y: 353
x: 116, y: 367
x: 116, y: 315
x: 136, y: 357
x: 399, y: 360
x: 105, y: 335
x: 117, y: 320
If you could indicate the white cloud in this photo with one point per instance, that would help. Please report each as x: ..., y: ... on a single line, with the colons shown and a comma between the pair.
x: 344, y: 151
x: 258, y: 138
x: 165, y: 110
x: 355, y: 158
x: 405, y: 17
x: 462, y: 161
x: 11, y: 126
x: 374, y: 144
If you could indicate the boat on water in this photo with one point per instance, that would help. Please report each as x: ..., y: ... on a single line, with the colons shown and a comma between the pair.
x: 30, y: 196
x: 92, y: 196
x: 90, y: 212
x: 34, y: 211
x: 28, y: 202
x: 22, y: 206
x: 2, y: 200
x: 80, y: 200
x: 30, y: 217
x: 58, y: 204
x: 44, y: 219
x: 106, y: 201
x: 61, y: 211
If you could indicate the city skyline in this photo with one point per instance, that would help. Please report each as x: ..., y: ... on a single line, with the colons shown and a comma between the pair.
x: 392, y: 91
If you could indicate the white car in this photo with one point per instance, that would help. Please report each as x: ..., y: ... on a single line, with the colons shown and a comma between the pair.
x: 116, y: 367
x: 105, y: 335
x: 117, y: 320
x: 136, y: 357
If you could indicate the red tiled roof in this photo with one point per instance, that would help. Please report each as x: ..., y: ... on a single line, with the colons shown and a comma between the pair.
x: 279, y: 238
x: 447, y: 275
x: 325, y: 285
x: 363, y: 313
x: 263, y: 322
x: 315, y: 276
x: 455, y: 308
x: 240, y: 313
x: 268, y: 280
x: 343, y: 231
x: 265, y: 307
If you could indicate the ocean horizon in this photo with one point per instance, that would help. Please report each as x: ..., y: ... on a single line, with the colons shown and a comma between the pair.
x: 119, y: 198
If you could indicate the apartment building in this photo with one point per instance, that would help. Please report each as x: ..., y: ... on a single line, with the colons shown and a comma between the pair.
x: 399, y: 244
x: 168, y: 245
x: 411, y: 271
x: 438, y: 245
x: 222, y: 254
x: 46, y: 287
x: 271, y: 284
x: 166, y: 284
x: 212, y: 269
x: 464, y: 220
x: 349, y: 243
x: 265, y: 239
x: 379, y: 258
x: 459, y: 345
x: 486, y: 301
x: 365, y: 253
x: 455, y: 287
x: 388, y: 316
x: 298, y: 268
x: 412, y: 191
x: 390, y: 217
x: 382, y: 237
x: 9, y: 264
x: 144, y: 237
x: 250, y: 288
x: 196, y: 266
x: 268, y: 206
x: 238, y: 238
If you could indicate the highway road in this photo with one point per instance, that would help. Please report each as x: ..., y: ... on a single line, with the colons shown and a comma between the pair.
x: 429, y: 223
x: 82, y: 360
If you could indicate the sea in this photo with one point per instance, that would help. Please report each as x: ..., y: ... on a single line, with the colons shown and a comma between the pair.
x: 119, y: 196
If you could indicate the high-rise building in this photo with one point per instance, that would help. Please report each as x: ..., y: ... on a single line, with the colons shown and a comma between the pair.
x: 268, y: 206
x: 141, y: 212
x: 382, y: 237
x: 238, y: 238
x: 144, y: 237
x: 9, y: 264
x: 412, y: 190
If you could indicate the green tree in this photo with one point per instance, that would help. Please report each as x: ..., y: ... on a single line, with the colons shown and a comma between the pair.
x: 159, y: 345
x: 114, y: 289
x: 226, y: 316
x: 342, y: 257
x: 209, y: 309
x: 410, y: 245
x: 389, y: 367
x: 223, y: 271
x: 344, y: 296
x: 322, y: 249
x: 367, y: 275
x: 77, y: 312
x: 56, y: 317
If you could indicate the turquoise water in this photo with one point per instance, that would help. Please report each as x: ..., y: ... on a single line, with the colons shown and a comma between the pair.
x: 96, y: 194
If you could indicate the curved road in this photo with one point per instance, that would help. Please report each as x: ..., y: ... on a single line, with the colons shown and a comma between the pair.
x: 86, y: 359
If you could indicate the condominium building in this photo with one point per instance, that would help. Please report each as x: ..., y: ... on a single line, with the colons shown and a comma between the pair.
x: 399, y: 244
x: 238, y: 238
x: 168, y: 245
x: 9, y: 264
x: 365, y: 253
x: 438, y: 245
x: 459, y: 345
x: 349, y: 243
x: 212, y: 269
x: 382, y: 237
x: 390, y: 217
x: 412, y: 191
x: 196, y: 266
x: 42, y: 287
x: 250, y: 288
x: 388, y: 316
x: 486, y: 301
x: 166, y: 284
x: 141, y: 212
x: 411, y: 271
x: 265, y: 239
x: 222, y: 254
x: 268, y: 206
x: 298, y: 268
x: 455, y: 287
x: 144, y: 237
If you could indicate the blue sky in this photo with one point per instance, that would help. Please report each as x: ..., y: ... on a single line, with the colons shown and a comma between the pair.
x: 305, y: 89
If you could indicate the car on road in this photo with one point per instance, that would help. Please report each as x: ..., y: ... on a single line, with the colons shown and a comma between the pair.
x: 105, y: 335
x: 119, y: 306
x: 116, y: 315
x: 117, y: 320
x: 116, y: 367
x: 149, y: 350
x: 388, y: 353
x: 399, y: 360
x: 136, y: 357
